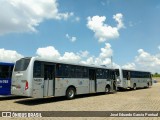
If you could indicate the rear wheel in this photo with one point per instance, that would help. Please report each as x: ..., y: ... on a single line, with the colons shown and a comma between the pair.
x: 147, y: 85
x: 107, y: 89
x: 134, y: 86
x: 70, y: 93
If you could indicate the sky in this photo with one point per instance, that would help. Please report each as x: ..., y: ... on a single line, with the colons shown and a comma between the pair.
x: 85, y: 32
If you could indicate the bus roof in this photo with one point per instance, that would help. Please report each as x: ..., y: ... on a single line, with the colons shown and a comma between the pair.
x: 63, y: 62
x: 5, y: 63
x: 133, y: 70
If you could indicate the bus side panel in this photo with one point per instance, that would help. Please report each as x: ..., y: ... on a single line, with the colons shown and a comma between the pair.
x: 38, y: 87
x: 82, y: 86
x: 5, y: 86
x: 61, y: 85
x: 124, y: 84
x: 101, y: 85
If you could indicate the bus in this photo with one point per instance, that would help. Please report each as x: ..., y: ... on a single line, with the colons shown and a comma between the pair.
x: 5, y: 78
x: 133, y: 79
x: 38, y: 78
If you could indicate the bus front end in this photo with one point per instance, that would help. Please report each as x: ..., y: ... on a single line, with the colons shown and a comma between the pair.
x: 21, y: 83
x: 119, y: 78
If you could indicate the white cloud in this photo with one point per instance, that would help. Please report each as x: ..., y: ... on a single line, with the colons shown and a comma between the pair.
x: 83, y: 53
x: 106, y: 52
x: 103, y: 31
x: 104, y: 3
x: 129, y: 66
x: 72, y: 39
x: 9, y: 55
x: 48, y: 52
x: 70, y: 57
x: 118, y: 17
x: 104, y: 57
x: 52, y: 54
x: 25, y: 15
x: 81, y: 57
x: 77, y: 19
x: 146, y: 61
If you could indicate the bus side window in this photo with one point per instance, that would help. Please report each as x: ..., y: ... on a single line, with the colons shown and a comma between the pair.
x: 37, y: 69
x: 128, y: 75
x: 4, y: 72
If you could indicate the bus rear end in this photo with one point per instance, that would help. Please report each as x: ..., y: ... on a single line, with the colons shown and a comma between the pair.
x: 5, y: 78
x: 21, y: 84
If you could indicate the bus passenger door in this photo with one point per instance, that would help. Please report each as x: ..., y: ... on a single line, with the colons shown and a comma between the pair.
x: 92, y: 80
x: 113, y: 81
x: 128, y: 79
x: 49, y: 80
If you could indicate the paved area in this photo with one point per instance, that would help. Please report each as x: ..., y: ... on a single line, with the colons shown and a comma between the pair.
x: 128, y: 100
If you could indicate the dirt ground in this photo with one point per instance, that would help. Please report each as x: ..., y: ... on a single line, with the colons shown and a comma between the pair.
x: 127, y: 100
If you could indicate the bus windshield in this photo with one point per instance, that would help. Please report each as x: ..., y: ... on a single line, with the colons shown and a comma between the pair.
x: 22, y: 64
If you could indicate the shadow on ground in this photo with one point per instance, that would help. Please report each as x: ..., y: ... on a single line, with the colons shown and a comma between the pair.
x: 37, y: 101
x: 131, y: 90
x: 11, y: 97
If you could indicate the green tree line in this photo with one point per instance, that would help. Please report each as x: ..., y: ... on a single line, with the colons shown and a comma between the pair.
x: 156, y: 75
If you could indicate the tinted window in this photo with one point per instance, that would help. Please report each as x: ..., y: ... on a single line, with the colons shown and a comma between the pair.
x: 4, y: 72
x: 37, y: 69
x: 71, y: 71
x: 62, y: 70
x: 85, y: 72
x: 102, y: 74
x: 22, y: 64
x: 111, y: 74
x: 124, y: 74
x: 117, y: 72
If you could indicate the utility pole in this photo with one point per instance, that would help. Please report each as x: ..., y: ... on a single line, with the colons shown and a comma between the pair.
x: 111, y: 61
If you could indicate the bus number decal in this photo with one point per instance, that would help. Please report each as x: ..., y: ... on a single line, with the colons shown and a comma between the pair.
x: 3, y: 81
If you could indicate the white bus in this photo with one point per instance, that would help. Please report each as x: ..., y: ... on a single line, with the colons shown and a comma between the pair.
x: 133, y: 79
x: 39, y: 78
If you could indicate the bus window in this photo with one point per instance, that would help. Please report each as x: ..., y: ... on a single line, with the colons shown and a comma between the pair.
x: 22, y: 64
x: 4, y: 72
x: 37, y: 70
x: 62, y: 70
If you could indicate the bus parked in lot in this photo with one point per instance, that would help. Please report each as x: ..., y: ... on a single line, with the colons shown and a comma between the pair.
x: 37, y: 77
x: 5, y: 78
x: 133, y: 79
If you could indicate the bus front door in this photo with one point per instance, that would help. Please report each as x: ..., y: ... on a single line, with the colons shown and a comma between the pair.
x: 92, y: 80
x: 113, y: 81
x: 49, y: 80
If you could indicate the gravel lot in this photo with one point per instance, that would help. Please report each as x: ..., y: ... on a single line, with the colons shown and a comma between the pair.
x: 127, y: 100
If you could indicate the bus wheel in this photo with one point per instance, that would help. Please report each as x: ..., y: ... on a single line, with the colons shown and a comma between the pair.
x: 107, y: 89
x: 134, y: 86
x: 70, y: 93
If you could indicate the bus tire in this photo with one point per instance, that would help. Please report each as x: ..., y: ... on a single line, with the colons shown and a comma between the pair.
x: 147, y: 85
x: 70, y: 93
x: 107, y: 89
x: 134, y: 86
x: 114, y: 86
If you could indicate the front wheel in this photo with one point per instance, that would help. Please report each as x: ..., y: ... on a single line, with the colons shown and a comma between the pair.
x: 70, y: 93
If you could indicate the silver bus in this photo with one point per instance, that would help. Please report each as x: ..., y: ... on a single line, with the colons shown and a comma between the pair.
x: 39, y: 78
x: 133, y: 79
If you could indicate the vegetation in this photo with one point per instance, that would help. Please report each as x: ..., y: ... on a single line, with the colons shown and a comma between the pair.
x: 156, y: 75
